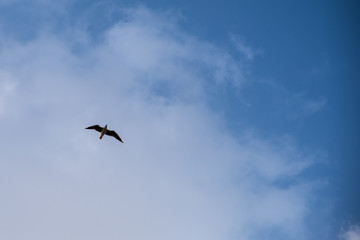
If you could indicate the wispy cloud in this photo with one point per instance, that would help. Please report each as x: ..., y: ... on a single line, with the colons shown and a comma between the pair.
x: 179, y: 175
x: 294, y: 106
x: 7, y: 86
x: 249, y: 53
x: 352, y: 233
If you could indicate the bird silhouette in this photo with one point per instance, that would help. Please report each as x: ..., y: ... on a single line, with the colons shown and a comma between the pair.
x: 104, y: 131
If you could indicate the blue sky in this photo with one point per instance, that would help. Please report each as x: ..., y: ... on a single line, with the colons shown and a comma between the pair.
x: 239, y: 120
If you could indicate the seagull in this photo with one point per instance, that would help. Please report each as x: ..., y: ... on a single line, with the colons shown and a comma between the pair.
x: 104, y: 130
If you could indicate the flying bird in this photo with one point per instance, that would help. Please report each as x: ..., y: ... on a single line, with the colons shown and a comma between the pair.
x: 105, y: 131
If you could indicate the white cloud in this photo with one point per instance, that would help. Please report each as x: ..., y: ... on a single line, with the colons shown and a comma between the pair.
x: 179, y: 175
x: 248, y: 52
x: 293, y: 106
x: 44, y: 3
x: 7, y: 2
x: 7, y: 87
x: 352, y: 233
x: 313, y: 106
x: 307, y: 106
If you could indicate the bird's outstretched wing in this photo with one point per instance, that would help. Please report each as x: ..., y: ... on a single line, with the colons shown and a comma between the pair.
x: 113, y: 134
x: 95, y: 127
